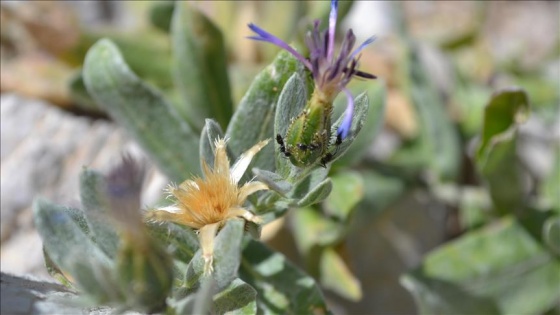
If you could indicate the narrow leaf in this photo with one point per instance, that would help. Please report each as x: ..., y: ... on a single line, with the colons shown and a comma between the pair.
x: 293, y: 291
x: 336, y: 276
x: 238, y: 298
x: 227, y: 256
x: 318, y: 194
x: 92, y: 195
x: 348, y: 190
x: 142, y: 110
x: 200, y: 69
x: 253, y: 120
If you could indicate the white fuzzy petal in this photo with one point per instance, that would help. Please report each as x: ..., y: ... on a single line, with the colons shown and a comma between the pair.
x: 240, y: 166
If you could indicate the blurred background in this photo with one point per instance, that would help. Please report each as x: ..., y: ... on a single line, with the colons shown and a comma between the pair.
x: 440, y: 61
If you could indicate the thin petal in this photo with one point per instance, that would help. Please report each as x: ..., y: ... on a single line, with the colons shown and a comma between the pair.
x: 362, y: 46
x: 163, y: 214
x: 206, y: 236
x: 221, y: 161
x: 239, y: 168
x: 267, y: 37
x: 332, y: 26
x: 245, y: 214
x: 171, y: 209
x: 248, y: 189
x: 344, y: 128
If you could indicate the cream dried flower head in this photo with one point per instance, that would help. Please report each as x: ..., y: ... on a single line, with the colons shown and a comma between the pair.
x: 205, y: 204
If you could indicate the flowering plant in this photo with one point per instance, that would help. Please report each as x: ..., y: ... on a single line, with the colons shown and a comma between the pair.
x: 198, y: 249
x: 451, y: 172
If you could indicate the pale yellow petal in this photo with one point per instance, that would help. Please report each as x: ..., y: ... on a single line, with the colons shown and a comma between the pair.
x: 240, y: 166
x: 206, y: 236
x: 245, y: 214
x: 221, y: 161
x: 248, y: 189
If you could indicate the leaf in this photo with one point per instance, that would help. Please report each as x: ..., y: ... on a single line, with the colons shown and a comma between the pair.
x: 361, y: 106
x: 347, y: 191
x: 373, y: 123
x: 506, y: 109
x: 496, y: 156
x: 551, y: 234
x: 200, y: 67
x: 161, y: 13
x: 500, y: 269
x: 182, y: 241
x: 210, y: 133
x: 142, y: 110
x: 227, y: 256
x: 273, y: 181
x: 291, y: 102
x: 317, y: 194
x: 281, y: 287
x: 65, y: 243
x: 312, y: 229
x: 253, y: 120
x: 551, y: 185
x: 92, y: 185
x: 336, y: 276
x: 238, y: 298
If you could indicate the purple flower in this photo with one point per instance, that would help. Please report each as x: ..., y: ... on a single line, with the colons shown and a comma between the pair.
x: 331, y: 73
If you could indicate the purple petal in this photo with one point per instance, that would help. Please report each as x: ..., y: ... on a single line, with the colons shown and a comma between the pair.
x: 344, y: 128
x: 332, y: 26
x: 267, y: 37
x: 362, y: 46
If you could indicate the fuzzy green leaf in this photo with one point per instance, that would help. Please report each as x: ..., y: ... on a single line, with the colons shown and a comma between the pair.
x: 312, y: 229
x: 142, y: 110
x: 161, y: 13
x: 336, y: 276
x: 65, y: 243
x: 496, y: 157
x: 506, y: 109
x: 181, y: 241
x: 361, y: 107
x: 200, y: 68
x: 273, y: 181
x: 551, y: 185
x: 92, y: 195
x: 227, y: 256
x: 500, y: 269
x: 372, y: 125
x: 253, y: 120
x: 291, y: 102
x: 281, y: 287
x: 551, y: 234
x: 238, y: 298
x: 317, y: 194
x: 348, y: 190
